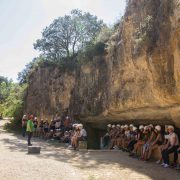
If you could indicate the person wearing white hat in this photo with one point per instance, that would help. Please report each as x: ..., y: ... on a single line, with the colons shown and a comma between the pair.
x: 76, y: 135
x: 133, y: 141
x: 127, y: 137
x: 156, y: 142
x: 83, y: 134
x: 106, y: 138
x: 141, y: 140
x: 24, y: 125
x: 35, y: 122
x: 151, y: 136
x: 113, y: 137
x: 171, y: 147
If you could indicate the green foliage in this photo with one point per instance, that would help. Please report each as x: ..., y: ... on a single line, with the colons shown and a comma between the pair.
x: 91, y: 50
x: 23, y: 76
x: 12, y: 105
x: 14, y: 100
x: 104, y: 34
x: 66, y: 35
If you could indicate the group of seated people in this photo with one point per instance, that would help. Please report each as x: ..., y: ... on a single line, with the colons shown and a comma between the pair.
x: 141, y: 141
x: 62, y: 129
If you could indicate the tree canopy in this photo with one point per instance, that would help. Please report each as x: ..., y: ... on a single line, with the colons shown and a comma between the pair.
x: 67, y: 34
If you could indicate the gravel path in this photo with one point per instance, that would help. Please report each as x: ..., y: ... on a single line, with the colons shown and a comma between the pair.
x: 57, y: 162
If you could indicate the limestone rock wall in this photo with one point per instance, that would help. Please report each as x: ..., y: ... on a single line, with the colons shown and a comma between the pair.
x: 49, y: 92
x: 138, y: 80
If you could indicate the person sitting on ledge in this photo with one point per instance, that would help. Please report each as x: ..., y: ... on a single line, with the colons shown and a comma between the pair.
x: 158, y: 141
x: 151, y: 135
x: 178, y: 165
x: 134, y: 139
x: 165, y: 140
x: 83, y: 133
x: 74, y: 139
x: 171, y: 147
x: 140, y: 141
x: 112, y: 134
x: 106, y: 137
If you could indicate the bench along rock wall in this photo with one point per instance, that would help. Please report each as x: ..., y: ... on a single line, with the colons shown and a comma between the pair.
x: 137, y: 81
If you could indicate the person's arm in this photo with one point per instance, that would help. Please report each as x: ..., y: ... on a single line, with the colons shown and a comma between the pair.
x: 151, y: 137
x: 167, y: 145
x: 157, y: 139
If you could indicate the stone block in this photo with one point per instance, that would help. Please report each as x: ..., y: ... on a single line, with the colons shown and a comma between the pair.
x: 34, y: 149
x: 82, y: 144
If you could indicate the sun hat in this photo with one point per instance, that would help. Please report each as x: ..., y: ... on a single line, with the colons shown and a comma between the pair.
x: 150, y: 125
x: 125, y: 126
x: 171, y: 127
x: 74, y: 125
x: 158, y: 128
x: 122, y: 127
x: 131, y: 125
x: 113, y: 126
x: 134, y: 128
x: 141, y: 127
x: 145, y: 127
x: 118, y: 125
x: 24, y: 116
x: 109, y: 125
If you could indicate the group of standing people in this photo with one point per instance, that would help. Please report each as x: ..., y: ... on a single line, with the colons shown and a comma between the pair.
x: 142, y: 141
x: 62, y: 129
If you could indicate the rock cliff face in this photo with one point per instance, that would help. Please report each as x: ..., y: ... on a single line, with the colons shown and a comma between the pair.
x: 137, y: 81
x: 49, y: 92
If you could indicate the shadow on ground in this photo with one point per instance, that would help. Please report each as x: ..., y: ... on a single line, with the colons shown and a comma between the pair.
x: 91, y: 160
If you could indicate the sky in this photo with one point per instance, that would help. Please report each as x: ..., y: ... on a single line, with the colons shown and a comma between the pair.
x: 22, y: 21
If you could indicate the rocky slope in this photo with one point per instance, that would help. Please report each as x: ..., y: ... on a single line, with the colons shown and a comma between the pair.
x: 137, y: 81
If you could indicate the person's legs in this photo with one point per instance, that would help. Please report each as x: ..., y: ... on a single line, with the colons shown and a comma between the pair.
x: 29, y: 138
x: 151, y: 149
x: 131, y: 145
x: 23, y: 131
x: 175, y: 155
x: 166, y: 154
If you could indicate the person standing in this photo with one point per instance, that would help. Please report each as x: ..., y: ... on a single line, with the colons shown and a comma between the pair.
x: 30, y: 129
x: 24, y: 124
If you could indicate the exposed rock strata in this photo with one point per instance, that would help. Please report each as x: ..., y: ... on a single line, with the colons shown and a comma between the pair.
x: 139, y: 79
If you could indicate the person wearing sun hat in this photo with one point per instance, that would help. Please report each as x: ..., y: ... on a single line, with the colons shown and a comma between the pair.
x: 141, y: 137
x: 113, y: 133
x: 171, y: 147
x: 106, y: 138
x: 151, y: 137
x: 158, y: 141
x: 133, y: 141
x: 24, y: 125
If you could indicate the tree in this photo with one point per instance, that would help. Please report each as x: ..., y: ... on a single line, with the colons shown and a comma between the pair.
x: 66, y: 35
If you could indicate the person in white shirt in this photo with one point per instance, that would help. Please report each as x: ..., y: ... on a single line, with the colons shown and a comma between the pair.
x: 171, y: 147
x: 83, y: 133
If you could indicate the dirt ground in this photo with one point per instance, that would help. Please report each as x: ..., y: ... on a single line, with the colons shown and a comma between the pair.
x: 57, y: 162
